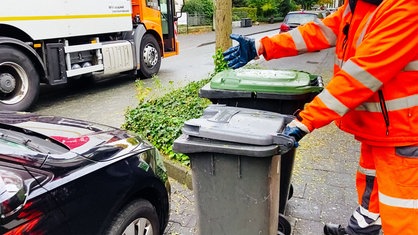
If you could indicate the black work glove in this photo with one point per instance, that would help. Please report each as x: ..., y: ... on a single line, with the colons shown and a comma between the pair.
x: 238, y: 56
x: 296, y: 130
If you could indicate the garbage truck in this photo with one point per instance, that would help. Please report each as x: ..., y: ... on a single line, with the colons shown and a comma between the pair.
x: 52, y: 42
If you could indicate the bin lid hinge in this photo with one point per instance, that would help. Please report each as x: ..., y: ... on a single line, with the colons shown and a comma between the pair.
x: 285, y: 142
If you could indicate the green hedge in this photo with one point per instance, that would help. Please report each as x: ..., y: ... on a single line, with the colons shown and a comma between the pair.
x: 244, y: 12
x: 160, y: 119
x: 275, y: 19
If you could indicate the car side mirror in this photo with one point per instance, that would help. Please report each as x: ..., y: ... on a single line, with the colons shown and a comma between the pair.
x: 13, y: 195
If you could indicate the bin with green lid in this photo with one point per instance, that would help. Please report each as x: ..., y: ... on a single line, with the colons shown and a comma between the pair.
x: 281, y: 91
x: 235, y: 156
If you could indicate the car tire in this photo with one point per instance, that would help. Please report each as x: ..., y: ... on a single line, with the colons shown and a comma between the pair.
x: 138, y: 217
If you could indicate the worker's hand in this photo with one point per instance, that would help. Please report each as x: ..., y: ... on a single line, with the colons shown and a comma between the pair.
x: 296, y: 130
x: 240, y: 55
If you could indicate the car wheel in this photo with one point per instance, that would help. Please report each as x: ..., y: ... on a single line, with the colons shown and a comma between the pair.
x: 138, y: 217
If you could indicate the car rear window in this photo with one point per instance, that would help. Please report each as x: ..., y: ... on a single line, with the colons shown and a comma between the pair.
x: 300, y: 19
x: 30, y: 141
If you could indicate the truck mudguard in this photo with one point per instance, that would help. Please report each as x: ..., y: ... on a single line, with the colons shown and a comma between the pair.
x: 29, y: 51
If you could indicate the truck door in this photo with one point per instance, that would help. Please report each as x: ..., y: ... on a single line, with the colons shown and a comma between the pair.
x: 169, y: 27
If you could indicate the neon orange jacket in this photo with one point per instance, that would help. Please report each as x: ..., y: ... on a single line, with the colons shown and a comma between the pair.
x: 374, y: 91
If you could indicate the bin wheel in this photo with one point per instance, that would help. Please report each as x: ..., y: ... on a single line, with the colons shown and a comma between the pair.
x: 284, y: 226
x: 290, y: 192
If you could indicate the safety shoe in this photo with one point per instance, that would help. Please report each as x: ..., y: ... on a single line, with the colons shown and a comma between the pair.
x: 334, y: 229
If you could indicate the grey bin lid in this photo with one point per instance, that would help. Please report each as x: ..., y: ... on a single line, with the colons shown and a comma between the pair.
x: 239, y: 125
x: 195, y: 145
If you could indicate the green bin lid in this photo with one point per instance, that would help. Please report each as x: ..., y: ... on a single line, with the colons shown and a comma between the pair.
x: 272, y: 81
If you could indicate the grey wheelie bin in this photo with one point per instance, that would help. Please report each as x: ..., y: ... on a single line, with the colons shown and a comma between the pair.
x: 281, y: 91
x: 235, y: 156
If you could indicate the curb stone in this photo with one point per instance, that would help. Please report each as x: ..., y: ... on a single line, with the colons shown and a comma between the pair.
x: 178, y: 172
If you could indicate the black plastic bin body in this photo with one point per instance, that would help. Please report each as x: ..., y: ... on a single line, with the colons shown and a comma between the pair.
x: 280, y: 91
x: 235, y: 170
x: 246, y: 22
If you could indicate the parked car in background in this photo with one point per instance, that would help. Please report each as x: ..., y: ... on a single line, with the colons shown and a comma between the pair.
x: 65, y: 176
x: 295, y: 18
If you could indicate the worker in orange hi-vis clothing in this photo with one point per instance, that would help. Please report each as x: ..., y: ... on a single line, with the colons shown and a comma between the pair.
x: 372, y: 95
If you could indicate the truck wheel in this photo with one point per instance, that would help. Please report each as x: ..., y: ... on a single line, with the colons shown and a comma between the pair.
x: 138, y: 218
x: 19, y: 80
x: 150, y: 57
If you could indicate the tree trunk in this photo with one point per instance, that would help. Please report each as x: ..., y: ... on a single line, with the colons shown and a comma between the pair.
x: 223, y: 24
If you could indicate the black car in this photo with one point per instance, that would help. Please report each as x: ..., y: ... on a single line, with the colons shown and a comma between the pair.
x: 66, y: 176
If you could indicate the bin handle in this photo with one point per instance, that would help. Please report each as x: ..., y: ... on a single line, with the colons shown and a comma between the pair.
x: 286, y: 143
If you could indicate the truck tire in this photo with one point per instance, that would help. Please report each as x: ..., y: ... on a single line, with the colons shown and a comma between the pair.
x: 19, y: 80
x: 138, y: 217
x: 150, y: 57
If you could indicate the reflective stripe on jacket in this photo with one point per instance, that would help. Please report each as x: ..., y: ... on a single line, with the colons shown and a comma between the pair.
x: 374, y: 91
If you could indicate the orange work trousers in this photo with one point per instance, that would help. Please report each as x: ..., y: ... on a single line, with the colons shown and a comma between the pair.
x: 366, y: 218
x: 387, y: 186
x: 397, y: 177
